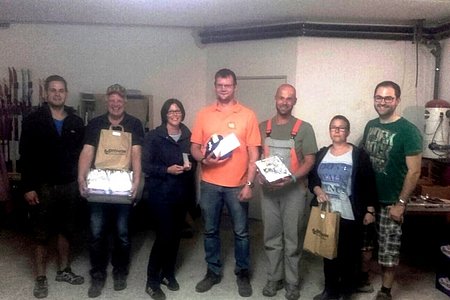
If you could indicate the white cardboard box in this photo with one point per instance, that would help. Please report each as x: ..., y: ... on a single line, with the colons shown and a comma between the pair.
x: 272, y: 168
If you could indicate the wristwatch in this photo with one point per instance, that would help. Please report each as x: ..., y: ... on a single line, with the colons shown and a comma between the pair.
x: 250, y: 184
x: 402, y: 202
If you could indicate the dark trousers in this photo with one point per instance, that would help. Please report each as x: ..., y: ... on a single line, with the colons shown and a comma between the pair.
x: 169, y: 219
x: 340, y: 273
x: 106, y: 218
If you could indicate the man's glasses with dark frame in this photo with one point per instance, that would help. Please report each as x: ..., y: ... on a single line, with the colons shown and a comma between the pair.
x: 387, y: 99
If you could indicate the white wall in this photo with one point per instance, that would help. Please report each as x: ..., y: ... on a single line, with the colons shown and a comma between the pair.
x: 159, y: 61
x: 338, y: 76
x: 276, y: 57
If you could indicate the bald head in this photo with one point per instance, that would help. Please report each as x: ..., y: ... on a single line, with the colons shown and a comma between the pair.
x: 285, y: 99
x: 289, y: 88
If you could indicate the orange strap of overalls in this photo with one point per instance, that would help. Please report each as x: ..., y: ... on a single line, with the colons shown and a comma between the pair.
x: 295, y: 165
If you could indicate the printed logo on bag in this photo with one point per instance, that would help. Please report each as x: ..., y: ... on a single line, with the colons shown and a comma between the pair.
x: 115, y: 151
x: 320, y: 234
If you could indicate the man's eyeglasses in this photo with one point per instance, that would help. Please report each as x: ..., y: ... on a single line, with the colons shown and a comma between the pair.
x: 174, y: 112
x: 338, y: 129
x: 224, y: 86
x: 387, y: 99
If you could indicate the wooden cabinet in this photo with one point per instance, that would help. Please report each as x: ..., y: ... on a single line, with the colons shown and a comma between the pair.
x: 140, y: 106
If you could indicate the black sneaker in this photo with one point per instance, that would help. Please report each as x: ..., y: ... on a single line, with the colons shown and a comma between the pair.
x: 96, y: 287
x: 364, y: 287
x: 243, y: 283
x: 120, y: 282
x: 67, y: 275
x: 207, y: 282
x: 271, y: 288
x: 40, y: 287
x: 171, y: 283
x: 156, y: 293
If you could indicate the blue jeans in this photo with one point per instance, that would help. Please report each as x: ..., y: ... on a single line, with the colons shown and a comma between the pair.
x: 212, y: 199
x: 104, y: 219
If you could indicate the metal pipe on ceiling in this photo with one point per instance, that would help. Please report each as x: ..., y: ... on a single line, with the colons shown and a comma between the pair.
x: 382, y: 32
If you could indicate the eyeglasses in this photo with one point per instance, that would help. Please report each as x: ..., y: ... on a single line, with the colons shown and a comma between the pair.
x: 174, y: 112
x: 387, y: 99
x: 338, y: 129
x: 224, y: 86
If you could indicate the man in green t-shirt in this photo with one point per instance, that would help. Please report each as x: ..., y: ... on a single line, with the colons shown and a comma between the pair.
x: 395, y: 148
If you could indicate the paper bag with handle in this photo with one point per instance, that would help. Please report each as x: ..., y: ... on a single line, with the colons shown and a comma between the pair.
x: 322, y: 233
x: 114, y: 149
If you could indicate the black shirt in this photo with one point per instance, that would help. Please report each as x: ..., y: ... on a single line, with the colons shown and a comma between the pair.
x: 129, y: 123
x: 46, y: 156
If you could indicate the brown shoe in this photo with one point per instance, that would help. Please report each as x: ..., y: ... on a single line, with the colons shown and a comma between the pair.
x: 271, y: 288
x: 292, y: 292
x: 243, y: 283
x: 207, y: 282
x: 96, y: 287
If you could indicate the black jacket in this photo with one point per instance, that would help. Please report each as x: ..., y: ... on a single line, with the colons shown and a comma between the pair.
x: 45, y: 156
x: 364, y: 192
x: 160, y: 152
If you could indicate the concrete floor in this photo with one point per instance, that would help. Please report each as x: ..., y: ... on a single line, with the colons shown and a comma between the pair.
x: 17, y: 280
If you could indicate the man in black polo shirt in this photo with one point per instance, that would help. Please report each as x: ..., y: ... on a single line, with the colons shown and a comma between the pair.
x: 110, y: 216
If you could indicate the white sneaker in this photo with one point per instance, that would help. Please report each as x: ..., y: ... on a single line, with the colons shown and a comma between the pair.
x: 445, y: 283
x: 446, y: 250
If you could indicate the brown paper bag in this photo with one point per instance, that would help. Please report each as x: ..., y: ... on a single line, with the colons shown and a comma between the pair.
x: 322, y: 233
x: 114, y: 149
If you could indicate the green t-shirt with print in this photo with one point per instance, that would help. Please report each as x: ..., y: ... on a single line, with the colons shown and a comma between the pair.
x: 388, y: 146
